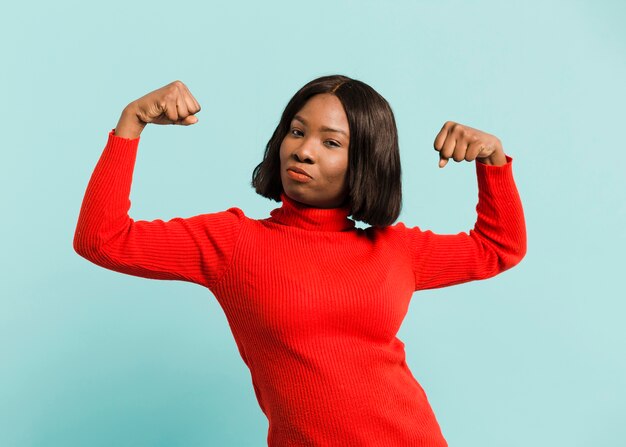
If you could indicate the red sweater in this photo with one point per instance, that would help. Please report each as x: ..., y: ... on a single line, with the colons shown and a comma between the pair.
x: 314, y: 303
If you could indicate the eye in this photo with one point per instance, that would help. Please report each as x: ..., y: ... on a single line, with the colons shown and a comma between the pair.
x: 332, y: 143
x: 296, y: 132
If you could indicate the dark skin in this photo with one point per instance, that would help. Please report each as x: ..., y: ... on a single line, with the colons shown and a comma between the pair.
x: 174, y: 104
x: 458, y: 142
x: 317, y: 142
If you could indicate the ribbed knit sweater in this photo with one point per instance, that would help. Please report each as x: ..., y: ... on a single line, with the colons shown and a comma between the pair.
x: 313, y: 302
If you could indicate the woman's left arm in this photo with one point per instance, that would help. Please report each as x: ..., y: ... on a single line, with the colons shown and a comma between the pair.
x: 498, y: 240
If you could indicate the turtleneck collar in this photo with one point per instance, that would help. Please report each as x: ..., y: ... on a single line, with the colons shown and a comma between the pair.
x: 296, y: 214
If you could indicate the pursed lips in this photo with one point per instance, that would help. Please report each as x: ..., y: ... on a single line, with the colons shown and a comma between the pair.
x: 299, y: 171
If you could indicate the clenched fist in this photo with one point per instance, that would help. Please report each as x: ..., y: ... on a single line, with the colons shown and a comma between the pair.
x: 172, y: 104
x: 461, y: 142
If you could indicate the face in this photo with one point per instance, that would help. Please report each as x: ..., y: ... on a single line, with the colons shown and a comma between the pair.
x: 314, y: 153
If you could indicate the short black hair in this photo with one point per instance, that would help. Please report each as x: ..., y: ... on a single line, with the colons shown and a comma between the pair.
x: 374, y: 172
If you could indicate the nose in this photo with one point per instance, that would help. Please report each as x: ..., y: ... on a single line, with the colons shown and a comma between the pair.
x: 305, y: 151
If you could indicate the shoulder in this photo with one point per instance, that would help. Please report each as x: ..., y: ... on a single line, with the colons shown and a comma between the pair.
x: 227, y: 221
x: 232, y: 214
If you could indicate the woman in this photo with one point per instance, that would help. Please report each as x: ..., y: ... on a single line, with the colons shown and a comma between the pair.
x: 313, y: 302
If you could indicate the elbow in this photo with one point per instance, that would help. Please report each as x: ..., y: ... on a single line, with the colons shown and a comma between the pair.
x: 521, y: 248
x: 514, y: 256
x: 93, y: 243
x: 517, y: 257
x: 520, y: 244
x: 505, y: 253
x: 521, y: 253
x: 80, y: 244
x: 85, y: 246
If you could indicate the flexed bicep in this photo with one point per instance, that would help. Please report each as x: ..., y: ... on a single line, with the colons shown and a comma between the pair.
x: 444, y: 260
x: 193, y: 249
x: 496, y: 243
x: 196, y: 249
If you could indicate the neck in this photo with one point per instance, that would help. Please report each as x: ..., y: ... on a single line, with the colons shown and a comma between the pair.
x: 300, y: 215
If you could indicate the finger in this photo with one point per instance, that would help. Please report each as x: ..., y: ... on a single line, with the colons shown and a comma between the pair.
x: 473, y: 150
x: 192, y: 105
x: 448, y: 146
x: 197, y: 104
x: 171, y: 111
x: 181, y: 107
x: 442, y: 162
x: 459, y: 150
x: 441, y: 136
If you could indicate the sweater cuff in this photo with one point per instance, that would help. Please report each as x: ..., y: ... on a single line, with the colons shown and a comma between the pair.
x: 121, y: 141
x: 495, y: 178
x: 120, y: 151
x: 484, y: 169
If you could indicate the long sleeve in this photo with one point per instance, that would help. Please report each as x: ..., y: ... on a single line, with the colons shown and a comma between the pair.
x: 196, y: 249
x: 496, y: 243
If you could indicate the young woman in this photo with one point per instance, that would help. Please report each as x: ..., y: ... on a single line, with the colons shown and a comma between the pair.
x: 313, y: 302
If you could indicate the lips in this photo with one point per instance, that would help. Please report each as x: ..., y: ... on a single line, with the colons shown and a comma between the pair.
x: 299, y: 171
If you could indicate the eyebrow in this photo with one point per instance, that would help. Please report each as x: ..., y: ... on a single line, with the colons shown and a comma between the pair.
x: 323, y: 128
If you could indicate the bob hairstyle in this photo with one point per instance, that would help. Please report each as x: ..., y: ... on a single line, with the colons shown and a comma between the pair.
x: 374, y: 172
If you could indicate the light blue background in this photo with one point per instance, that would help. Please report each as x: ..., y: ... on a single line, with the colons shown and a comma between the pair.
x: 534, y: 357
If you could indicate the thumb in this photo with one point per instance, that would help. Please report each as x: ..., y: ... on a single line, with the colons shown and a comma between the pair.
x: 189, y: 120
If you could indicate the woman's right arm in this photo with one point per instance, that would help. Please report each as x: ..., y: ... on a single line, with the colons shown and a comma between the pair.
x: 196, y: 249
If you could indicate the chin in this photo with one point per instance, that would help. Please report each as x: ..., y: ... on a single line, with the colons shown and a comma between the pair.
x: 308, y: 200
x: 299, y: 197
